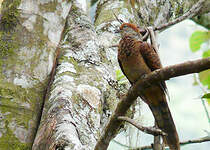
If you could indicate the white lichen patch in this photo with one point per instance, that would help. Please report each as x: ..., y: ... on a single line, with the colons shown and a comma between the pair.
x: 82, y: 4
x: 45, y: 1
x: 26, y: 105
x: 64, y: 78
x: 29, y: 7
x: 162, y: 17
x: 19, y: 131
x: 105, y: 38
x: 91, y: 51
x: 65, y: 8
x: 114, y: 5
x: 95, y: 120
x: 53, y: 27
x: 111, y: 55
x: 90, y: 94
x: 126, y: 15
x: 50, y: 62
x: 21, y: 134
x: 41, y: 72
x: 63, y: 91
x: 26, y: 53
x: 66, y: 67
x: 29, y: 23
x: 23, y: 81
x: 66, y: 130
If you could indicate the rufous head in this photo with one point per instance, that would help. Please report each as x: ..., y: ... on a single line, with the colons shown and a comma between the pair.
x: 131, y: 30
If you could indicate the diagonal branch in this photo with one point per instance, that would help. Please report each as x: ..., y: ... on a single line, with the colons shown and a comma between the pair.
x: 148, y: 130
x: 189, y: 14
x: 166, y: 73
x: 200, y: 140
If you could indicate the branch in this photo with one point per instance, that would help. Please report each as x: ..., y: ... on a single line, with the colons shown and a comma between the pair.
x: 189, y: 14
x: 166, y: 73
x: 200, y: 140
x: 148, y: 130
x: 158, y: 145
x: 202, y: 100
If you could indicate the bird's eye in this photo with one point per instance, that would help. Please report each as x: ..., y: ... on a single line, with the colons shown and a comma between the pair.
x: 125, y: 26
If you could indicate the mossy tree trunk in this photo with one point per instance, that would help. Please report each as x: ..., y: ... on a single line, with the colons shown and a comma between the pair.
x: 30, y: 32
x: 76, y: 99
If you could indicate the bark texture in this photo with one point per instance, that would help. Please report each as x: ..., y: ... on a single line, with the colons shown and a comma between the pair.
x: 75, y: 111
x: 29, y: 34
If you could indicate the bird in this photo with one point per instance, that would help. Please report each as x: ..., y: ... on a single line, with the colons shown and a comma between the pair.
x: 137, y: 58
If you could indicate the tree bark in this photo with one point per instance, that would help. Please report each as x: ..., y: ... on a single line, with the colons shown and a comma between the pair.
x: 75, y: 110
x: 29, y: 35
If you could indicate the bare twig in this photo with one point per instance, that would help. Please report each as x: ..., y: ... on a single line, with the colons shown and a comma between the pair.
x: 166, y: 73
x: 191, y: 13
x: 200, y: 140
x: 123, y: 145
x: 153, y: 39
x: 202, y: 100
x: 148, y: 130
x: 157, y: 142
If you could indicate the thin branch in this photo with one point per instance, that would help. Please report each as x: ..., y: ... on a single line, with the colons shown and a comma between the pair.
x: 200, y: 140
x: 123, y: 145
x: 202, y: 100
x: 166, y: 73
x: 189, y: 14
x: 157, y: 142
x: 148, y: 130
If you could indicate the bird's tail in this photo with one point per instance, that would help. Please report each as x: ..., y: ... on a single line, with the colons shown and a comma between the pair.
x: 155, y: 97
x: 165, y: 122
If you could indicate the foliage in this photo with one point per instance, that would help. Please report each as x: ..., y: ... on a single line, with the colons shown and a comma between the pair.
x: 120, y: 77
x: 207, y: 97
x: 197, y: 39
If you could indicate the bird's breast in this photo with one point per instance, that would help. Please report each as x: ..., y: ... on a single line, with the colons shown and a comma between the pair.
x: 132, y: 62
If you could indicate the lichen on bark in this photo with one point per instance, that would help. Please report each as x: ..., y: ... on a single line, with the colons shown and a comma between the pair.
x: 26, y: 58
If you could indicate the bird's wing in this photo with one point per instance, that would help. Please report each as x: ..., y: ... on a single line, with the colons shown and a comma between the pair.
x: 152, y: 60
x: 120, y: 64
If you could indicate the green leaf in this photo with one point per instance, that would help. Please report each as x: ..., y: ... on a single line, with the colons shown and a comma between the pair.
x: 204, y: 78
x: 206, y: 53
x: 119, y: 75
x: 197, y: 38
x: 207, y: 98
x: 206, y: 95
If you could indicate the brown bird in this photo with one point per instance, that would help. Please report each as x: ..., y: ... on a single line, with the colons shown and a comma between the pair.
x: 136, y: 58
